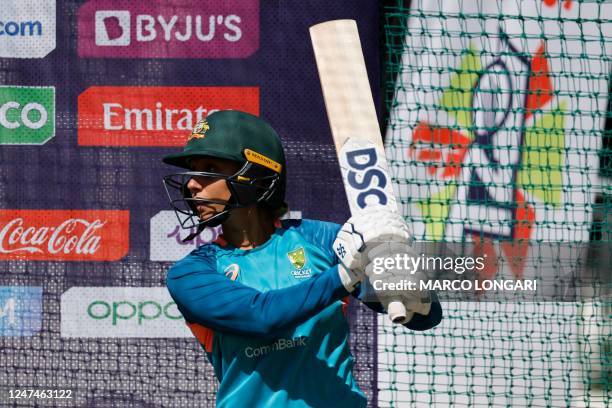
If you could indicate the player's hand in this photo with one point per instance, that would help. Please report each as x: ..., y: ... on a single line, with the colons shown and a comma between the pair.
x: 360, y: 234
x: 414, y: 300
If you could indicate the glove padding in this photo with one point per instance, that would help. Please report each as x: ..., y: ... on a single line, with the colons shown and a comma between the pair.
x: 414, y: 301
x: 361, y: 233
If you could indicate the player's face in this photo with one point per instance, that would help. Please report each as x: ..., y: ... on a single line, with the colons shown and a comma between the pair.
x: 211, y: 188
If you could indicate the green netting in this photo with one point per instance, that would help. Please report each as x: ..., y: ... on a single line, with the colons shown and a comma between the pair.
x: 498, y: 135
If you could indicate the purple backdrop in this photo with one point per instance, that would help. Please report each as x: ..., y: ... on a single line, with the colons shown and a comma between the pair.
x: 62, y: 175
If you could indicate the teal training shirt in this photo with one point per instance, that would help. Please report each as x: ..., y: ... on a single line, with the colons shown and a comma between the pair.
x: 272, y: 319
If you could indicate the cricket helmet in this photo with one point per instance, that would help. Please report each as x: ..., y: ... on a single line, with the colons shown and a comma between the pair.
x: 240, y: 137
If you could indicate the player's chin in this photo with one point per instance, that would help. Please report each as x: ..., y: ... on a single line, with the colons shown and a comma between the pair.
x: 206, y: 214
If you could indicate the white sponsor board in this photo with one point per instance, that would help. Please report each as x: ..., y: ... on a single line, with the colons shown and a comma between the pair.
x: 292, y: 215
x: 166, y: 238
x: 27, y: 28
x: 121, y: 312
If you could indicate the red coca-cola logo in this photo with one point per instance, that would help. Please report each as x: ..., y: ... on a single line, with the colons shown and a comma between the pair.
x: 64, y: 235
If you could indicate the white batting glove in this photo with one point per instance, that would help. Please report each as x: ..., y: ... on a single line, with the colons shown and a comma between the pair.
x: 349, y: 247
x: 361, y: 233
x: 415, y: 300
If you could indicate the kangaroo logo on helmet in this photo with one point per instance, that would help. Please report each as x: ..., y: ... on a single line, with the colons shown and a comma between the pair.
x: 199, y: 130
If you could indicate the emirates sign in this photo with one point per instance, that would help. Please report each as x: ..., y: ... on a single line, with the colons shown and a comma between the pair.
x: 153, y: 116
x: 64, y: 235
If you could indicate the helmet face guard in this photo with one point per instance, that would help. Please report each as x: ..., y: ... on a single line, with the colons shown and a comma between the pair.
x: 249, y: 186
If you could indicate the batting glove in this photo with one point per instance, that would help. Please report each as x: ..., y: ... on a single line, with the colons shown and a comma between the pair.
x: 361, y: 233
x: 414, y: 300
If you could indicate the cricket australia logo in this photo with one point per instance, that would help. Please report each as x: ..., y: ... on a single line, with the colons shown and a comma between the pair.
x: 496, y: 152
x: 297, y: 258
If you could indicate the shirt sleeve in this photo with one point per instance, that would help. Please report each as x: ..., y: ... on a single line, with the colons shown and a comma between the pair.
x: 206, y: 297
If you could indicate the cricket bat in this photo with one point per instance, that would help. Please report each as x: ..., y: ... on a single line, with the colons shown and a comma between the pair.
x: 354, y: 125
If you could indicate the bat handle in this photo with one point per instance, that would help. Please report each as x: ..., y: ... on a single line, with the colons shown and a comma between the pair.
x: 397, y: 312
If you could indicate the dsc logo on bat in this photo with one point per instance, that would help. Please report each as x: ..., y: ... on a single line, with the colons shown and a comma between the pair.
x: 365, y: 175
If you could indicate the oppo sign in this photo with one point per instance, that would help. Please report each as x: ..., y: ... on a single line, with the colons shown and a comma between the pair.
x: 121, y: 312
x: 126, y: 310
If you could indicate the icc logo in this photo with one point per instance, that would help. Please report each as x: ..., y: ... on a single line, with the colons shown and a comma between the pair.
x: 112, y: 28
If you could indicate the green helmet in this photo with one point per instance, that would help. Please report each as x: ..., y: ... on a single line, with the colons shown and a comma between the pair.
x: 237, y: 136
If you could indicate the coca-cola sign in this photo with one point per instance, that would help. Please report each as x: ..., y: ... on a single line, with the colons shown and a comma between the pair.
x: 64, y: 235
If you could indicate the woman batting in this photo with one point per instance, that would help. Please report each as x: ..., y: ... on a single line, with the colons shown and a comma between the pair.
x: 266, y: 299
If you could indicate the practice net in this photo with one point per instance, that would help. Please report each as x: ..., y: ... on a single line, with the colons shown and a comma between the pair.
x: 498, y: 137
x: 93, y: 94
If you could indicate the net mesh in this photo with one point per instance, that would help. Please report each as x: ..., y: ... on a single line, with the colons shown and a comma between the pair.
x: 497, y: 136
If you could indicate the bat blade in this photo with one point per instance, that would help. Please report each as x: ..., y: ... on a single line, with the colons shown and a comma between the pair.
x: 352, y: 115
x: 344, y: 80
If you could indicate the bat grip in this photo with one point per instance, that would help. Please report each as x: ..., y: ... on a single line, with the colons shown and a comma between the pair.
x: 397, y: 312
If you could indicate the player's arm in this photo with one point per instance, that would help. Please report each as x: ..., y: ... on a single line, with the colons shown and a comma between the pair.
x: 206, y: 297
